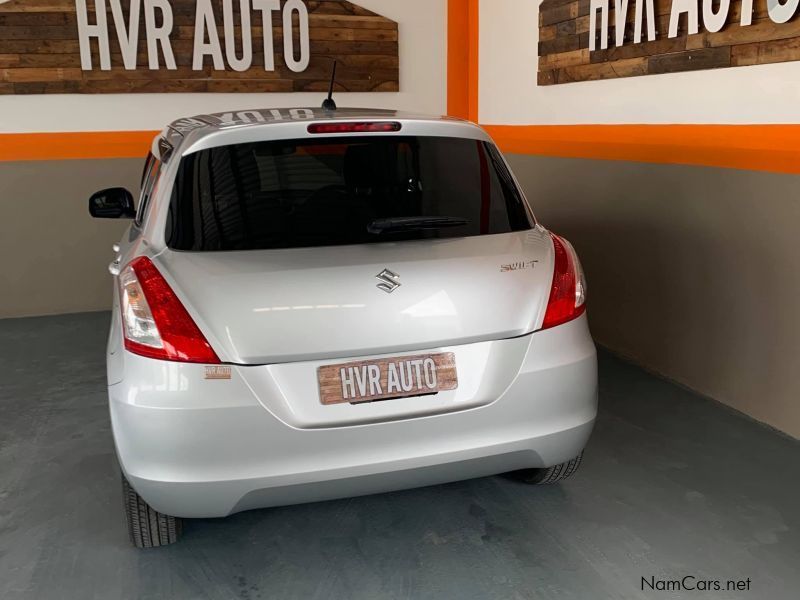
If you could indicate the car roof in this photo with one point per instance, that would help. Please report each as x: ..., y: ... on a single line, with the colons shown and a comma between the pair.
x: 190, y: 134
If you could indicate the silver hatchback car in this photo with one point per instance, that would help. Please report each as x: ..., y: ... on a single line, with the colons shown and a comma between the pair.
x: 312, y: 304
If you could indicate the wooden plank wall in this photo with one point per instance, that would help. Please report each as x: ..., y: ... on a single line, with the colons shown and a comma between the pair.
x: 39, y: 52
x: 564, y: 55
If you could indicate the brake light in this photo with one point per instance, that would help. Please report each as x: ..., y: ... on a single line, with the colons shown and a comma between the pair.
x: 363, y: 127
x: 568, y: 291
x: 154, y: 322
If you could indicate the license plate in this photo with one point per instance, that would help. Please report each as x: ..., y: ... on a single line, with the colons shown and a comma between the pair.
x: 387, y: 378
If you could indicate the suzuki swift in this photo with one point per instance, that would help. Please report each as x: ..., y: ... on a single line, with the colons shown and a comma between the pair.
x: 312, y: 304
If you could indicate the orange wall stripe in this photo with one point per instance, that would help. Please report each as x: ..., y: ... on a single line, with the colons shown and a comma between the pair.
x: 474, y: 59
x: 462, y: 59
x: 457, y: 59
x: 773, y: 148
x: 74, y: 145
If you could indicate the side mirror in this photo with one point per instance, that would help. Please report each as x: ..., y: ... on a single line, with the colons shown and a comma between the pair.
x: 112, y: 203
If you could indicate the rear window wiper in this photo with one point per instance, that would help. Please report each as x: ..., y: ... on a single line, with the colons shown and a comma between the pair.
x: 379, y: 226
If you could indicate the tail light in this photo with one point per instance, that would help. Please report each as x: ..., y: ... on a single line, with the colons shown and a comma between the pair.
x: 154, y: 322
x: 568, y: 292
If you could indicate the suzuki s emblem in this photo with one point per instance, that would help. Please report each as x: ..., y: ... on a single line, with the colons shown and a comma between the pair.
x: 388, y: 281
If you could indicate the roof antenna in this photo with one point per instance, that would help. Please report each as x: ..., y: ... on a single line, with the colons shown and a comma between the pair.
x: 328, y: 103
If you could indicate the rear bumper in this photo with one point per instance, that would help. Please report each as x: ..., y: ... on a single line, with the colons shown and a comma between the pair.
x: 196, y: 448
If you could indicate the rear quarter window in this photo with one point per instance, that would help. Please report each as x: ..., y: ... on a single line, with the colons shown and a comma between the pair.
x: 150, y: 176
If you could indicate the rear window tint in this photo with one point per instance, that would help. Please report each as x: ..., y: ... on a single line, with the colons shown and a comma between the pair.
x: 327, y: 192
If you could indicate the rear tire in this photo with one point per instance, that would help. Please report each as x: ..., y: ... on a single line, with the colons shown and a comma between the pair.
x: 148, y: 528
x: 549, y: 475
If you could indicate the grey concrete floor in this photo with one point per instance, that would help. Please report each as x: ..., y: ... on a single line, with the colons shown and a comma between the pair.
x: 672, y: 485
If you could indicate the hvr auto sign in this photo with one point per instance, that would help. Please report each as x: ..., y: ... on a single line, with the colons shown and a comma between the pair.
x: 158, y: 20
x: 714, y: 17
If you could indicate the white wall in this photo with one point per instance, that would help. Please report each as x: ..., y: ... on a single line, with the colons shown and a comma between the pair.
x: 423, y: 86
x: 509, y: 36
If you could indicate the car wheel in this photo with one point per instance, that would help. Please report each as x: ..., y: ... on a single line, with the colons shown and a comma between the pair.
x: 148, y: 528
x: 549, y: 475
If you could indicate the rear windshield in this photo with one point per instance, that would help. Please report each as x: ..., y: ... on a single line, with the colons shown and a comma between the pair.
x: 336, y: 191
